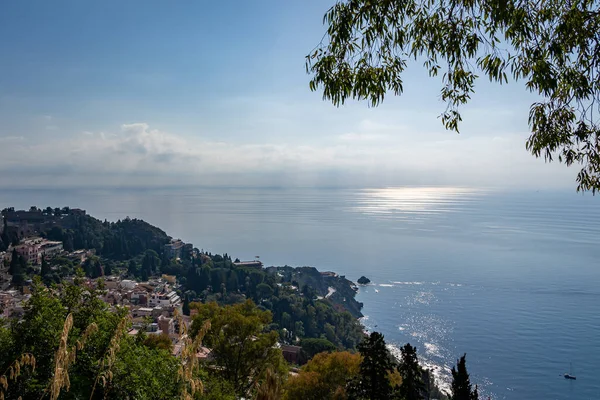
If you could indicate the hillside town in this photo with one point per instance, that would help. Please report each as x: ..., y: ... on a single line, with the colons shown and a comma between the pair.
x: 154, y: 306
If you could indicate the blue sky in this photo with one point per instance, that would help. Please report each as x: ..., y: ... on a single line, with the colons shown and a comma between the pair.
x: 194, y: 92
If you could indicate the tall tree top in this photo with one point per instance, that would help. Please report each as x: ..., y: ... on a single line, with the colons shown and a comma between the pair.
x: 461, y: 383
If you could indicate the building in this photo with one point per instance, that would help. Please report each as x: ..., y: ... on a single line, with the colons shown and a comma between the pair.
x: 188, y: 250
x: 33, y: 249
x: 174, y: 248
x: 128, y: 284
x: 27, y: 223
x: 142, y: 312
x: 291, y: 353
x: 51, y: 248
x: 329, y: 274
x: 250, y: 264
x: 170, y: 299
x: 172, y: 279
x: 30, y: 250
x: 166, y: 325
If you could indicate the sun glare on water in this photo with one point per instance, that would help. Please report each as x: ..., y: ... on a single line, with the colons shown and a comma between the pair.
x: 414, y: 200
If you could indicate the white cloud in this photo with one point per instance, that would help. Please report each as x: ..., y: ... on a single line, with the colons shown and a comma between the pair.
x: 139, y: 154
x: 361, y: 137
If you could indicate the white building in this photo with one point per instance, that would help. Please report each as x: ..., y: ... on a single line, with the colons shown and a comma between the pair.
x: 128, y: 284
x: 50, y: 249
x: 170, y: 299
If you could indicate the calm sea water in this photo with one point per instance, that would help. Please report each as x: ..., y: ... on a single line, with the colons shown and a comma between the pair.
x: 511, y: 279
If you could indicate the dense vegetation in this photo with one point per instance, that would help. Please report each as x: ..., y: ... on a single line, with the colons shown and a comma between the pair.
x: 70, y: 345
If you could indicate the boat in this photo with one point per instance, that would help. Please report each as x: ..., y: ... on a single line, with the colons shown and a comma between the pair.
x: 570, y: 374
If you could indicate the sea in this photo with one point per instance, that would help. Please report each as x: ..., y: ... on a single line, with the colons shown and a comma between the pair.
x: 511, y: 278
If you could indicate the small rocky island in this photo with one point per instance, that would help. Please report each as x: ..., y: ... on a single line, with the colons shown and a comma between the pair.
x: 363, y: 280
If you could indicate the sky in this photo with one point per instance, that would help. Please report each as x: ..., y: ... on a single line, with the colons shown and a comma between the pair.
x: 162, y: 93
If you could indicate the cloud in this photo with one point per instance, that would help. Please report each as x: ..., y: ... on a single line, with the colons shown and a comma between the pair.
x: 361, y: 137
x: 137, y: 154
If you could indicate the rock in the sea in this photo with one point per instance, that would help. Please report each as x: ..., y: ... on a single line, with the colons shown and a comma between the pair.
x: 363, y: 280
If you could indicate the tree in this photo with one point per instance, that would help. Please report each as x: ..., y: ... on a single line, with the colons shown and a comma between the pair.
x: 142, y: 372
x: 161, y: 341
x: 264, y: 291
x: 150, y: 263
x: 132, y: 268
x: 552, y: 45
x: 324, y: 377
x: 373, y: 382
x: 45, y: 270
x: 17, y: 268
x: 185, y: 308
x: 412, y: 386
x: 461, y: 384
x: 310, y: 347
x: 14, y: 261
x: 243, y: 351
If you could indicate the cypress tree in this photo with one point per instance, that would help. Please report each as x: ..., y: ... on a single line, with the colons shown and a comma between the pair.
x: 461, y: 384
x: 17, y: 269
x: 14, y: 262
x: 186, y: 306
x: 373, y: 382
x: 412, y: 387
x: 45, y: 271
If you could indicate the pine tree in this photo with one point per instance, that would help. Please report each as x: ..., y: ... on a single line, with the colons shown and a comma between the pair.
x: 412, y: 387
x: 461, y: 384
x: 373, y: 382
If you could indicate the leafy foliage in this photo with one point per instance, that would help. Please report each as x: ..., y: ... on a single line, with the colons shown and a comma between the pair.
x: 324, y: 377
x: 552, y: 45
x: 242, y: 350
x: 311, y: 347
